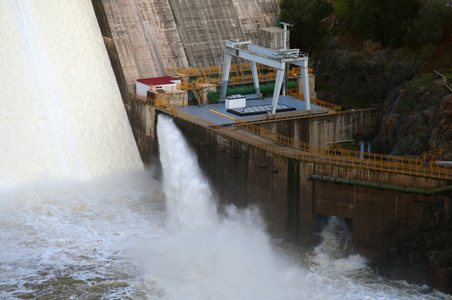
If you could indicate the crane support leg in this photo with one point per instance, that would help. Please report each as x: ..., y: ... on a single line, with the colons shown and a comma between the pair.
x: 305, y: 81
x: 255, y: 79
x: 225, y: 75
x: 277, y: 90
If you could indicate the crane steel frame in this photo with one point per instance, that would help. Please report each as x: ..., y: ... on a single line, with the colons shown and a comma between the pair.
x: 273, y: 58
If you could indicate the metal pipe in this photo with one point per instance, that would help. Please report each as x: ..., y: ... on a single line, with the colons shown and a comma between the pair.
x: 442, y: 189
x: 383, y: 186
x: 361, y: 148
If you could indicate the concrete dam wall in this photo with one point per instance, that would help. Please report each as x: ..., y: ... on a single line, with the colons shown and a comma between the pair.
x: 151, y: 36
x: 145, y: 38
x: 290, y: 200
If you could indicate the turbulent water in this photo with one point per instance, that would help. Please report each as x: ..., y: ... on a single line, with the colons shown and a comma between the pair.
x: 80, y: 219
x: 130, y: 237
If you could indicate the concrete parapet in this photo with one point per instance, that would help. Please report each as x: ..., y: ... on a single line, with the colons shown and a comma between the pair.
x: 175, y: 98
x: 349, y: 125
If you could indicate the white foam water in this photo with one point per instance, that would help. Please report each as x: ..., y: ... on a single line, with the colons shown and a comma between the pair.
x: 208, y: 256
x: 116, y: 238
x: 73, y: 240
x: 229, y: 256
x: 62, y: 115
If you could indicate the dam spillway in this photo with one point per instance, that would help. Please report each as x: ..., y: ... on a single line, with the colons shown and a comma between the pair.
x: 62, y: 113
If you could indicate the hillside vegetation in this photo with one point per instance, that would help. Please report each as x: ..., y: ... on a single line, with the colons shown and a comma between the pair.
x: 383, y: 53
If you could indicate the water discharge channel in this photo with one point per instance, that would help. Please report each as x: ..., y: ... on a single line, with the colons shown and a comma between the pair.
x: 128, y: 236
x: 81, y: 219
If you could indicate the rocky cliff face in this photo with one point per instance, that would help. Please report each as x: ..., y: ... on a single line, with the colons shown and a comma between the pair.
x: 417, y: 107
x: 426, y: 129
x: 355, y: 78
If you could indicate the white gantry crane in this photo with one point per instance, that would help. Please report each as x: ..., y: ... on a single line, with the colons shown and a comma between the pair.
x: 277, y: 59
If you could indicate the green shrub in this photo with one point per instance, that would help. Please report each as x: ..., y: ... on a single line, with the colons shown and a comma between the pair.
x: 387, y: 21
x: 428, y: 25
x: 396, y: 22
x: 306, y: 16
x: 427, y: 51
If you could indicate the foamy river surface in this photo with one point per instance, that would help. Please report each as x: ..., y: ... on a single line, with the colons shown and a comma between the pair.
x: 122, y: 237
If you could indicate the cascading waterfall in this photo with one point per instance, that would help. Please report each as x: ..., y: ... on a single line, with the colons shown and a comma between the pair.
x: 211, y: 256
x: 204, y: 255
x: 188, y: 195
x: 115, y: 238
x: 62, y: 115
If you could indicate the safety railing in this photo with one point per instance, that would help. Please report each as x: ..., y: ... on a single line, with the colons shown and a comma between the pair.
x: 215, y: 70
x: 198, y: 95
x: 203, y: 71
x: 163, y: 105
x: 140, y: 99
x: 327, y: 108
x: 189, y: 86
x: 286, y: 116
x: 330, y: 106
x: 430, y: 156
x: 267, y: 73
x: 291, y: 148
x: 302, y: 151
x: 241, y: 79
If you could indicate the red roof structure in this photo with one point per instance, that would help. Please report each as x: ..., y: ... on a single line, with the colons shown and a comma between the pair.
x: 158, y: 80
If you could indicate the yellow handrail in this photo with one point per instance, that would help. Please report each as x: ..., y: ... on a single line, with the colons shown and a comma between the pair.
x: 306, y: 152
x: 241, y: 78
x: 198, y: 95
x: 164, y: 105
x: 316, y: 101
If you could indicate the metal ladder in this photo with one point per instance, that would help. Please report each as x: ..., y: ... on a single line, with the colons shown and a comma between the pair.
x: 196, y: 91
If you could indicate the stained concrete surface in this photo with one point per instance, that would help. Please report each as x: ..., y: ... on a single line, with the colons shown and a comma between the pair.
x: 154, y: 35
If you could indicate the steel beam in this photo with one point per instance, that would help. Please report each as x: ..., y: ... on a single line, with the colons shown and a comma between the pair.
x: 255, y: 79
x: 245, y: 54
x: 303, y: 64
x: 225, y: 75
x: 273, y: 58
x: 278, y: 82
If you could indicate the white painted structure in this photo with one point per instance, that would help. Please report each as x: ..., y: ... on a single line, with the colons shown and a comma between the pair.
x: 166, y: 84
x: 235, y: 101
x: 273, y: 58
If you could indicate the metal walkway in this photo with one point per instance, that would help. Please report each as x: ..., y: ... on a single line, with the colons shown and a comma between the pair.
x: 218, y: 114
x: 239, y: 129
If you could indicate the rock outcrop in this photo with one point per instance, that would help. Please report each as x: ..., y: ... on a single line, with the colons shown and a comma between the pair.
x: 419, y: 124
